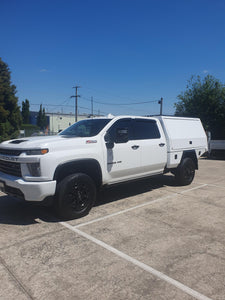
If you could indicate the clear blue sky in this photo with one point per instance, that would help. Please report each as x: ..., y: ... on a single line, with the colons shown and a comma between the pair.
x: 118, y: 51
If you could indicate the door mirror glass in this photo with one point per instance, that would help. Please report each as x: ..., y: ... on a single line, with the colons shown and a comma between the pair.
x: 122, y: 135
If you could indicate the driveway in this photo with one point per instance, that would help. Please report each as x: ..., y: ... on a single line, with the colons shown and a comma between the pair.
x: 148, y: 239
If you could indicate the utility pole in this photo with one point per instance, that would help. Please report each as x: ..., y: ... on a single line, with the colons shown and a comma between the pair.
x: 92, y: 111
x: 161, y: 105
x: 76, y: 96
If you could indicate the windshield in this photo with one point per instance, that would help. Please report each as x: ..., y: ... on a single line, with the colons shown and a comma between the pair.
x: 86, y: 128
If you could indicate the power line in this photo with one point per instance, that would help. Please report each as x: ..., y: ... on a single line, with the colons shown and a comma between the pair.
x: 98, y: 111
x: 52, y: 105
x: 111, y: 94
x: 61, y: 105
x: 72, y: 106
x: 119, y: 104
x: 99, y: 102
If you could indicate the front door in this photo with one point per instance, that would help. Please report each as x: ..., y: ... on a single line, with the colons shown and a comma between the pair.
x: 124, y: 159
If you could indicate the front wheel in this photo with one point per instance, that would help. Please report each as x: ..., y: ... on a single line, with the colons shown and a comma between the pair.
x: 185, y: 172
x: 75, y: 196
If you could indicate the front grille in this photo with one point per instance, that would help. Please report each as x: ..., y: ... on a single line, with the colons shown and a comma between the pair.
x: 11, y: 152
x: 11, y: 168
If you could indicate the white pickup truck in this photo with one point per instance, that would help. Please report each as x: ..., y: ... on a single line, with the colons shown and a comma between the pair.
x: 215, y: 146
x: 70, y: 167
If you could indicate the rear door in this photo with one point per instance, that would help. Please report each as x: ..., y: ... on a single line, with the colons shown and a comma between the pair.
x: 152, y: 144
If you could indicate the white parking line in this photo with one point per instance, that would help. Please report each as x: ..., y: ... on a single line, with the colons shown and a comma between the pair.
x: 137, y: 206
x: 215, y: 185
x: 122, y: 211
x: 136, y: 262
x: 195, y: 188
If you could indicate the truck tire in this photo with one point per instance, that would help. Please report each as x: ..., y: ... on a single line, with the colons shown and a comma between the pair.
x: 75, y: 196
x: 185, y: 172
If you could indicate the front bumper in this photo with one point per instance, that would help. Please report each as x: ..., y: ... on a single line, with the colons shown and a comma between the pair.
x: 30, y: 191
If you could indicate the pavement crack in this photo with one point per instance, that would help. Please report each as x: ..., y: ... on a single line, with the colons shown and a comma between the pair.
x: 20, y: 285
x: 219, y: 257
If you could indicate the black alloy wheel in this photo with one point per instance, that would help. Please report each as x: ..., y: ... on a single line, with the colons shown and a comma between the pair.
x: 75, y: 196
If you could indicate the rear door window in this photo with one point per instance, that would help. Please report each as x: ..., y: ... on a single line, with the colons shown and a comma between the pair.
x: 145, y: 129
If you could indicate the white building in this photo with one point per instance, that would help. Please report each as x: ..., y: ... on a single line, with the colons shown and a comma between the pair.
x: 60, y: 121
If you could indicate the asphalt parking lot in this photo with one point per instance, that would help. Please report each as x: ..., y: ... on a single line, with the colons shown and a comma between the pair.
x: 148, y: 239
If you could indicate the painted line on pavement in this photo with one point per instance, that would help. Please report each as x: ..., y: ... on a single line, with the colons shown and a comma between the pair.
x: 138, y: 263
x: 215, y: 185
x: 122, y: 211
x: 137, y: 206
x: 195, y: 188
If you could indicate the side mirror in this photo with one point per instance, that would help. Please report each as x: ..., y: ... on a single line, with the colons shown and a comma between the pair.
x: 109, y: 145
x: 122, y: 135
x: 108, y: 141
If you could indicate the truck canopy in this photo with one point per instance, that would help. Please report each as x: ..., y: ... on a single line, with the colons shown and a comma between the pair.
x: 183, y: 133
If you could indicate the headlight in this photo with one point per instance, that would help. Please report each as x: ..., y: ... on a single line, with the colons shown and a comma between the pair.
x: 37, y: 151
x: 34, y: 169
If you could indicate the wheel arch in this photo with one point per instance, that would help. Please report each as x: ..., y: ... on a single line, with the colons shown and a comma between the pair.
x: 191, y: 154
x: 90, y: 167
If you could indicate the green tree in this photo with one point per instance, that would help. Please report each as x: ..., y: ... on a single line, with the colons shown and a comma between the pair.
x: 205, y: 99
x: 10, y: 117
x: 25, y: 111
x: 41, y: 118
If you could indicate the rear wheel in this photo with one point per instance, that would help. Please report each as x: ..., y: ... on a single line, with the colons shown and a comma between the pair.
x: 75, y: 196
x: 185, y: 172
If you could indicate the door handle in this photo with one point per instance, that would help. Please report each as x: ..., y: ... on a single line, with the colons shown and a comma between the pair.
x: 135, y: 147
x: 162, y: 144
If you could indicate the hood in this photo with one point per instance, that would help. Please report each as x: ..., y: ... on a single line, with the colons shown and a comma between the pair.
x: 56, y: 141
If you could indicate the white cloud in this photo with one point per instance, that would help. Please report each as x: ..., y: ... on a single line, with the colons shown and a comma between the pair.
x: 205, y: 71
x: 43, y: 70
